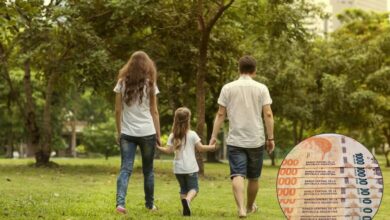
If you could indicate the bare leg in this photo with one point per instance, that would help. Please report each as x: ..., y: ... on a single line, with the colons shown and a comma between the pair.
x: 253, y: 187
x: 191, y: 195
x: 185, y: 201
x: 238, y: 191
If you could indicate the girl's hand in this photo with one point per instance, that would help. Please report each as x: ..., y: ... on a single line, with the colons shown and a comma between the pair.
x: 213, y: 147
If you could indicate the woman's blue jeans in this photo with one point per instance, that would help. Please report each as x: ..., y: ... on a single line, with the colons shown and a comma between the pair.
x: 128, y: 145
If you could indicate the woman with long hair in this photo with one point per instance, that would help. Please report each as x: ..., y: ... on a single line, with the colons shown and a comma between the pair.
x: 137, y: 124
x: 183, y: 142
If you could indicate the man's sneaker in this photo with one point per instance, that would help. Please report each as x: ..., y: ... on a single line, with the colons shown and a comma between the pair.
x: 186, y: 207
x: 154, y: 208
x: 121, y: 209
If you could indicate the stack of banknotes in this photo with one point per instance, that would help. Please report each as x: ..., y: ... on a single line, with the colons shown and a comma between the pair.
x: 329, y: 177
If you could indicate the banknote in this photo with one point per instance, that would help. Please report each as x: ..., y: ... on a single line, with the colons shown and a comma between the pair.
x: 331, y: 172
x: 365, y: 213
x: 351, y: 193
x: 329, y: 202
x: 329, y: 217
x: 294, y: 182
x: 329, y: 150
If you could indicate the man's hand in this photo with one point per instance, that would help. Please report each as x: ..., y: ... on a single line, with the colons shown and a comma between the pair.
x: 118, y: 139
x: 159, y: 147
x: 270, y: 146
x: 158, y: 141
x: 213, y: 141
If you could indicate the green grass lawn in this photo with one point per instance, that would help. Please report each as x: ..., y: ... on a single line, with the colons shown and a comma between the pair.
x: 85, y: 189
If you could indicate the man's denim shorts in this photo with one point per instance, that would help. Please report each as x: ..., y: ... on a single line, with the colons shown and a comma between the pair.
x: 245, y: 162
x: 188, y: 182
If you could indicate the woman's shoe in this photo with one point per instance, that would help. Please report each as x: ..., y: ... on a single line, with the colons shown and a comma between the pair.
x: 121, y: 210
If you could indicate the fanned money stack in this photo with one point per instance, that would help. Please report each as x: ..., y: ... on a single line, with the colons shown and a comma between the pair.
x: 329, y: 177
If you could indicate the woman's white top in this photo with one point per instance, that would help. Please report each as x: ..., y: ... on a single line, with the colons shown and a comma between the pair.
x: 185, y: 160
x: 137, y: 120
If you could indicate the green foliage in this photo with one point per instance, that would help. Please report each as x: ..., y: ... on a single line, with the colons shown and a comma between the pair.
x: 81, y: 149
x: 59, y: 143
x: 100, y: 138
x: 334, y: 84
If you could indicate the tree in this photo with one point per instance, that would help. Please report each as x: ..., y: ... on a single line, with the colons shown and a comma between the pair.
x: 354, y: 77
x: 280, y: 41
x: 52, y: 44
x: 206, y: 23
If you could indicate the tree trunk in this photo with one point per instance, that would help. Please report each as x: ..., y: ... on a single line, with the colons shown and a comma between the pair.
x: 9, y: 151
x: 205, y: 30
x: 33, y: 135
x: 211, y: 156
x: 12, y: 96
x: 386, y: 132
x: 73, y: 139
x: 200, y: 94
x: 42, y: 156
x: 301, y: 129
x: 295, y: 133
x: 272, y: 156
x: 107, y: 153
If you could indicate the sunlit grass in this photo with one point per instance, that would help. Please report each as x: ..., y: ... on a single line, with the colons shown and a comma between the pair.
x: 85, y: 189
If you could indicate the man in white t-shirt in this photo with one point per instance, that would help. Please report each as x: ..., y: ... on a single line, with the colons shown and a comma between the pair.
x: 245, y: 101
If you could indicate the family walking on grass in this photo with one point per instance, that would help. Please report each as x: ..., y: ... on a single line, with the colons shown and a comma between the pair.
x: 244, y: 101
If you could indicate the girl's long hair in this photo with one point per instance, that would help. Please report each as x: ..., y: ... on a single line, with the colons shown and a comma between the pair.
x: 181, y: 125
x: 139, y: 72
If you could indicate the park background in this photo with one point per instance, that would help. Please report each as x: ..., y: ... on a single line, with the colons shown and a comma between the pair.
x: 59, y: 61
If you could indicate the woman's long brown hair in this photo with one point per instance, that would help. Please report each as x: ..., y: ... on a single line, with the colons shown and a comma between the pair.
x: 139, y: 72
x: 181, y: 124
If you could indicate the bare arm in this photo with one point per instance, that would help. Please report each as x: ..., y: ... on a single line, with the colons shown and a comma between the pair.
x: 204, y: 148
x: 155, y: 116
x: 118, y: 114
x: 168, y: 150
x: 219, y: 119
x: 269, y: 124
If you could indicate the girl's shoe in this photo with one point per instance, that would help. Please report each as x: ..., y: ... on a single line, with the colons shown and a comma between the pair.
x: 186, y: 207
x: 121, y: 210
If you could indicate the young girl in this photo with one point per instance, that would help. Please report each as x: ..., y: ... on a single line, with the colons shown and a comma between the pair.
x: 183, y: 142
x: 137, y: 124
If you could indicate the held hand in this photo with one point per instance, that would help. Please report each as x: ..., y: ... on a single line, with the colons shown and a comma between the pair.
x: 213, y: 141
x: 270, y: 146
x: 217, y: 146
x: 213, y: 147
x: 158, y: 141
